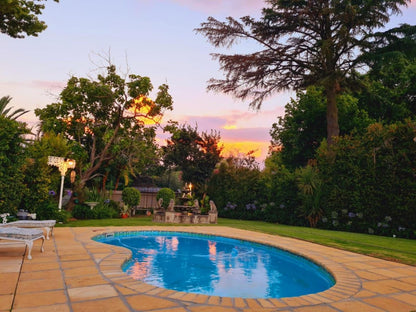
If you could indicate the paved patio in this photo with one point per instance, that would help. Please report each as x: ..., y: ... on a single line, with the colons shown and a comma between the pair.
x: 77, y: 274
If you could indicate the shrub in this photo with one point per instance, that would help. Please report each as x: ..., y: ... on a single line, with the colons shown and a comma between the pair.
x: 131, y: 196
x: 105, y: 212
x: 83, y: 212
x: 166, y: 194
x: 49, y: 211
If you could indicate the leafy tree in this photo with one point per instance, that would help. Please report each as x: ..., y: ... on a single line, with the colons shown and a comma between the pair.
x: 388, y: 92
x: 193, y: 153
x: 39, y: 178
x: 20, y: 17
x: 105, y: 118
x: 12, y: 159
x: 304, y: 43
x: 6, y: 112
x: 299, y: 132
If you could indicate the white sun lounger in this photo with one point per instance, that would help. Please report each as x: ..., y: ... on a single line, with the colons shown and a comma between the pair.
x: 45, y: 224
x: 28, y: 236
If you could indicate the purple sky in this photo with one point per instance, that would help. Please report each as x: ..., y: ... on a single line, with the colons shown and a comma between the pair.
x: 152, y: 38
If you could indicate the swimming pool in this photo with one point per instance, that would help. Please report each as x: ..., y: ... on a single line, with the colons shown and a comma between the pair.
x: 215, y: 265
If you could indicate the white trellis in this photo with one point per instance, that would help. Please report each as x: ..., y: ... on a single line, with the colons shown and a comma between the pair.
x: 63, y: 165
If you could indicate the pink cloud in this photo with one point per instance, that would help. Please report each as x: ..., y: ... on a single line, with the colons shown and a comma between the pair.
x: 37, y: 84
x: 49, y: 85
x: 228, y: 7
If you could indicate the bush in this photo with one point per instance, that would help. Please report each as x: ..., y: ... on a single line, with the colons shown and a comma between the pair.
x: 49, y: 211
x: 83, y: 212
x: 166, y: 194
x: 105, y: 212
x: 131, y: 196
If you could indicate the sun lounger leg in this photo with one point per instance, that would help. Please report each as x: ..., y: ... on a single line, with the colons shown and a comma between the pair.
x: 48, y: 229
x: 43, y: 241
x: 29, y: 244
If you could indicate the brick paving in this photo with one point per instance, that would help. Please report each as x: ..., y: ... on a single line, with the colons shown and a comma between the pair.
x: 77, y: 274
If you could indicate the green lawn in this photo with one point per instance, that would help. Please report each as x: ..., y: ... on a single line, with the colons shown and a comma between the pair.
x: 389, y: 248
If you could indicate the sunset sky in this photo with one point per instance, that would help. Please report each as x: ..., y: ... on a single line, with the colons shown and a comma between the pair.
x: 153, y: 38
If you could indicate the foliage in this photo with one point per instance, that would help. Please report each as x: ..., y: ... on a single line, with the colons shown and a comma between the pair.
x: 300, y: 131
x: 105, y: 121
x: 104, y: 210
x: 6, y: 112
x: 304, y: 43
x: 83, y: 212
x: 194, y: 154
x: 12, y: 158
x: 39, y: 178
x: 386, y: 92
x: 236, y: 188
x: 21, y: 17
x: 170, y: 179
x: 93, y: 195
x: 310, y: 188
x: 166, y: 194
x: 282, y: 192
x: 48, y: 210
x: 369, y: 183
x: 131, y: 196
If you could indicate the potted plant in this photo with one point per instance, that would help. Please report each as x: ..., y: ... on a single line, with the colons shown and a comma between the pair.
x: 131, y: 197
x: 124, y: 209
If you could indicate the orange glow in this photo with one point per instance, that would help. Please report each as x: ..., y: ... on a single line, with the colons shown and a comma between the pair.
x: 212, y: 249
x: 235, y: 148
x: 230, y: 127
x: 83, y: 120
x: 139, y: 270
x: 140, y: 109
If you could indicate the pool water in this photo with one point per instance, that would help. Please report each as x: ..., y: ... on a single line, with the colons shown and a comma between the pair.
x: 218, y: 266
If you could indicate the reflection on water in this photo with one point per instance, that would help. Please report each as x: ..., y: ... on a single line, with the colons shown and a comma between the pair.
x: 220, y: 266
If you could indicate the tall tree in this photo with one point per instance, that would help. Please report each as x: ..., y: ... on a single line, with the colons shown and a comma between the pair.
x: 315, y: 42
x: 389, y: 91
x: 300, y: 131
x: 6, y: 112
x: 103, y: 117
x: 193, y: 153
x: 20, y: 17
x: 12, y: 159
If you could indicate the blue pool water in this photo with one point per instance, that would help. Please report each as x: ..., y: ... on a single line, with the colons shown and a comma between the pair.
x: 219, y: 266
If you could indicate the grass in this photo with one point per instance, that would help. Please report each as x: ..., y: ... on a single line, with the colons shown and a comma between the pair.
x: 388, y: 248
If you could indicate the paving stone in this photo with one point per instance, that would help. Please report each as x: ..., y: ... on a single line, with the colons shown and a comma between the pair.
x: 211, y: 309
x: 49, y: 308
x: 355, y: 306
x: 6, y: 302
x: 91, y: 292
x: 145, y: 303
x: 39, y: 299
x: 389, y: 304
x: 315, y: 308
x: 111, y: 304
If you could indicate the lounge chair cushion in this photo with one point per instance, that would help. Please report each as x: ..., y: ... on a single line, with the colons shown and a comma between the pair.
x: 20, y: 233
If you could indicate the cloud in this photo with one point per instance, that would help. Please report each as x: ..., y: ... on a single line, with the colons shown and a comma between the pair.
x: 228, y: 7
x: 49, y: 85
x: 36, y: 84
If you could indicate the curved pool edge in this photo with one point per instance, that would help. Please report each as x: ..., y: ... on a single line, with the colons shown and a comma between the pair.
x: 347, y: 283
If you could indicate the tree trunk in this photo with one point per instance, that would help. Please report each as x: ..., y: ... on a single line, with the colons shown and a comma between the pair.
x: 331, y: 113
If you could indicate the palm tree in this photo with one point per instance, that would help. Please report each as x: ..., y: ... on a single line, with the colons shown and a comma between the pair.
x: 4, y: 101
x: 310, y: 188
